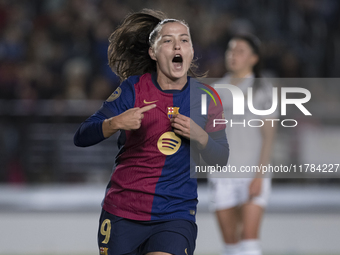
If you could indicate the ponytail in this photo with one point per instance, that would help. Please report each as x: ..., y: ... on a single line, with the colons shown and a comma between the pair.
x: 128, y: 52
x: 129, y: 44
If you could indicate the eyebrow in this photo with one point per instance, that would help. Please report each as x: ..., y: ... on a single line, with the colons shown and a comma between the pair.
x: 179, y: 35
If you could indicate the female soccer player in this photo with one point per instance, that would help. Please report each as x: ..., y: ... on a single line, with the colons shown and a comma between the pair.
x: 150, y: 201
x: 239, y: 202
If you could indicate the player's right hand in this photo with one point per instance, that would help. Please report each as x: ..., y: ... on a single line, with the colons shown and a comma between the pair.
x: 132, y: 118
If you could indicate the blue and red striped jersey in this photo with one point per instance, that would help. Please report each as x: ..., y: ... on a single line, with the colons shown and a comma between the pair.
x: 151, y: 178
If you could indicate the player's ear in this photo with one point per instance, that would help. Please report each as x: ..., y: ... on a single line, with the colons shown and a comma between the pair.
x: 254, y: 59
x: 152, y: 54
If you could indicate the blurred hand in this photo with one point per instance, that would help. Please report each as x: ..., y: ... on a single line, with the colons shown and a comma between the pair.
x: 255, y: 188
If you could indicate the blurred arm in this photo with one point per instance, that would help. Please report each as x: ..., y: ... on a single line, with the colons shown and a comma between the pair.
x: 216, y: 150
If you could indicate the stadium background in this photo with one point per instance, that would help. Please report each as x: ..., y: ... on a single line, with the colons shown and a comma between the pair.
x: 54, y: 73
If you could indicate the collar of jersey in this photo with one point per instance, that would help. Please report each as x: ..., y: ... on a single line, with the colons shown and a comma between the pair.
x: 169, y: 91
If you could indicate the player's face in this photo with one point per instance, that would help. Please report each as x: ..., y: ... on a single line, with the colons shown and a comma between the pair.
x: 240, y: 57
x: 173, y: 51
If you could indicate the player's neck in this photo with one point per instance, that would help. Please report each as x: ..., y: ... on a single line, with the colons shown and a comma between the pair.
x: 241, y: 74
x: 238, y: 77
x: 168, y: 84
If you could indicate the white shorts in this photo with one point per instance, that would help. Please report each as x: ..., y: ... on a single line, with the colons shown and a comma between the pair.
x: 230, y: 192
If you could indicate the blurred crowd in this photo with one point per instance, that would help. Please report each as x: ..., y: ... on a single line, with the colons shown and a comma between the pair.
x: 57, y: 49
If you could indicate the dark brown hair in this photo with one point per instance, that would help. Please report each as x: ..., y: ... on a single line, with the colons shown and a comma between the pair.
x: 255, y: 46
x: 128, y: 52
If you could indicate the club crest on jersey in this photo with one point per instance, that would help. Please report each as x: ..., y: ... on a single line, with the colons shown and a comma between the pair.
x: 172, y: 111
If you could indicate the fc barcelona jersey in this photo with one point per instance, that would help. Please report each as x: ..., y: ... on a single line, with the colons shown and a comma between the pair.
x: 151, y: 178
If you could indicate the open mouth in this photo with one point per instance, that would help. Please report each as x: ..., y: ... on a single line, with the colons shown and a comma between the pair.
x: 177, y: 59
x: 177, y: 62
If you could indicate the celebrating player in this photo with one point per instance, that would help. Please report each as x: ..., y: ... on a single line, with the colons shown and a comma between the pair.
x: 239, y: 202
x: 150, y: 201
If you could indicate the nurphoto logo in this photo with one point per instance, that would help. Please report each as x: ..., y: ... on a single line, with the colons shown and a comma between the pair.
x: 238, y: 105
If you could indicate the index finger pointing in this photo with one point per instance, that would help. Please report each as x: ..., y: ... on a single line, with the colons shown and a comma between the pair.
x: 147, y: 108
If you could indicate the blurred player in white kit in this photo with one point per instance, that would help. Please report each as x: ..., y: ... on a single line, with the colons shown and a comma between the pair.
x: 239, y: 202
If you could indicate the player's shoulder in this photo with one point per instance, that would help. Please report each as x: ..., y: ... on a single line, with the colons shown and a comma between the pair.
x: 131, y: 81
x: 199, y: 86
x: 129, y: 84
x: 224, y: 80
x: 125, y: 89
x: 140, y: 82
x: 265, y: 86
x: 266, y: 82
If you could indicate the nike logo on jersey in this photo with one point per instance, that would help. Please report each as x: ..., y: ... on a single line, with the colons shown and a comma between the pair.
x: 145, y: 102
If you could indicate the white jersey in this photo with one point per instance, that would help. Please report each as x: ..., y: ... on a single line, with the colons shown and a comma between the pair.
x: 245, y: 143
x: 244, y: 140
